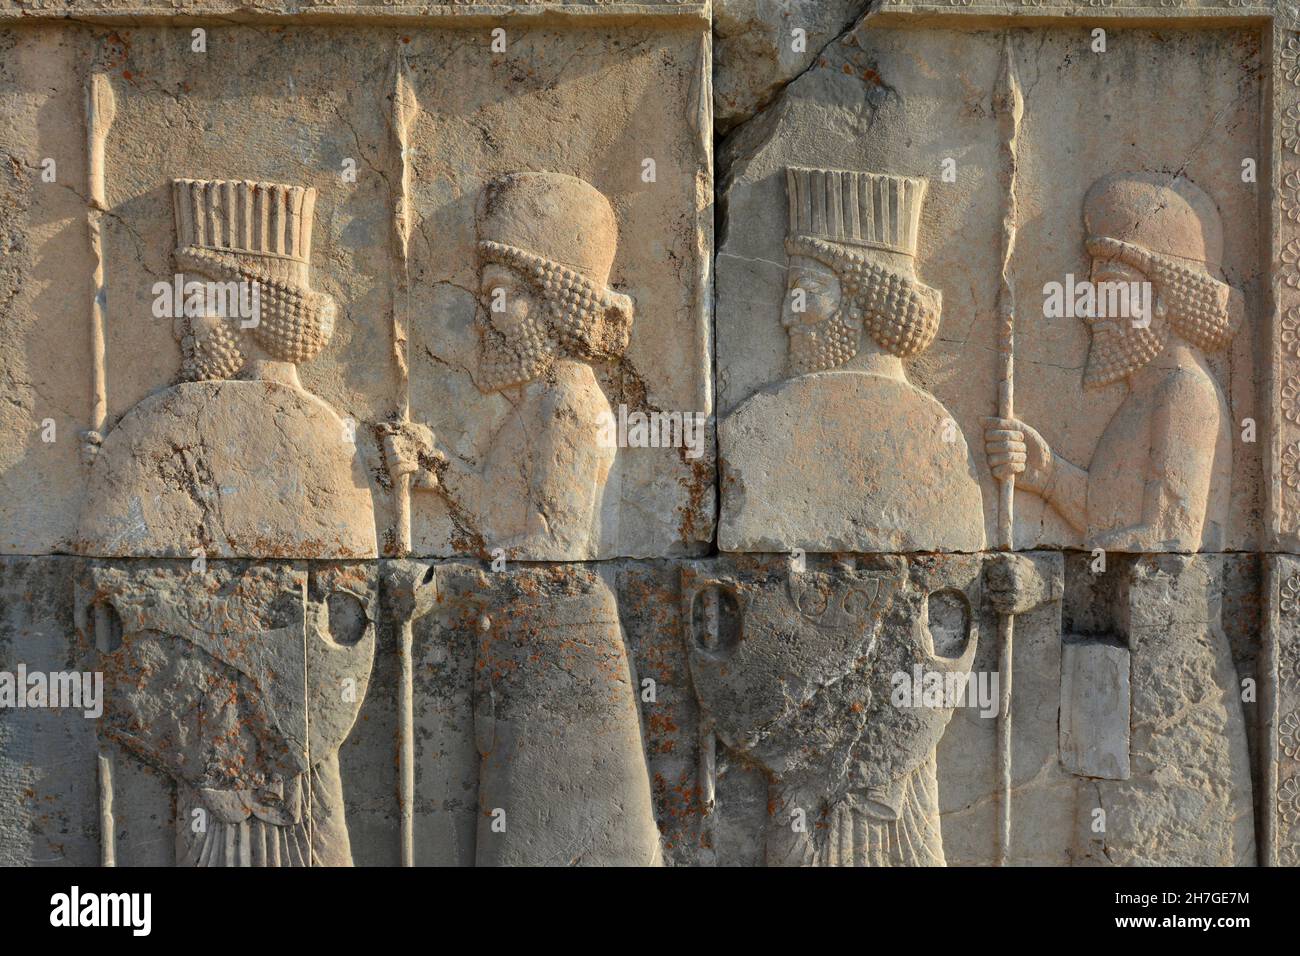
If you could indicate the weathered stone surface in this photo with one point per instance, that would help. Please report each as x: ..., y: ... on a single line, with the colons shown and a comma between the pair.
x: 795, y: 670
x: 48, y: 793
x: 1189, y: 797
x: 757, y: 49
x: 273, y: 660
x: 357, y: 439
x: 184, y: 473
x: 1143, y: 468
x: 1095, y: 710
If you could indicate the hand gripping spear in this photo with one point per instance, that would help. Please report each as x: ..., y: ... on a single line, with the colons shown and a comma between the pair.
x: 1008, y: 107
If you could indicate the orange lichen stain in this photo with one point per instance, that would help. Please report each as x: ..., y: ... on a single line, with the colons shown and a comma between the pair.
x: 661, y: 723
x: 699, y: 488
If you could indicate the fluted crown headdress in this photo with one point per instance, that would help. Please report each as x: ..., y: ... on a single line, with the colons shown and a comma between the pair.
x: 860, y: 209
x: 258, y: 232
x: 269, y: 222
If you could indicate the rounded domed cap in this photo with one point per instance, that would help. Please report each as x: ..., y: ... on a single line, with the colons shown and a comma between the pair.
x: 554, y: 216
x: 1164, y: 214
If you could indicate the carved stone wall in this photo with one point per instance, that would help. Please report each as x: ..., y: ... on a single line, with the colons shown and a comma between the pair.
x: 658, y: 433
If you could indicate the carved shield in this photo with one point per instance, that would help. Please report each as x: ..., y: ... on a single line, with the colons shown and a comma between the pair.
x: 795, y: 668
x: 233, y: 680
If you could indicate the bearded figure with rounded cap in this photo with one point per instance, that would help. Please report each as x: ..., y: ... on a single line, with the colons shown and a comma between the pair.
x: 223, y: 665
x: 1159, y: 482
x: 563, y: 777
x: 1160, y: 477
x: 893, y: 472
x: 548, y: 488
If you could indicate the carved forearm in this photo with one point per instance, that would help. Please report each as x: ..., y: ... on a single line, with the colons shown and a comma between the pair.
x: 1067, y: 490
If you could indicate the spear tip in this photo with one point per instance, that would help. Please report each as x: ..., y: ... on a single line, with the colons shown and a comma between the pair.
x: 1008, y: 101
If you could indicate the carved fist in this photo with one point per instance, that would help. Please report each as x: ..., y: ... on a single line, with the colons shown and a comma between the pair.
x: 1015, y: 449
x: 91, y: 440
x: 409, y: 450
x: 1014, y: 584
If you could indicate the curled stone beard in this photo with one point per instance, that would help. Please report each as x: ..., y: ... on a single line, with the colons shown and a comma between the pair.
x: 521, y: 354
x: 1119, y: 350
x: 210, y: 354
x: 824, y: 345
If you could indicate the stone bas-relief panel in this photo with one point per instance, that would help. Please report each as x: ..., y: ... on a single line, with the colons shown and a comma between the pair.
x: 240, y: 692
x: 862, y: 306
x: 1281, y: 751
x: 407, y: 251
x: 415, y: 563
x: 640, y: 712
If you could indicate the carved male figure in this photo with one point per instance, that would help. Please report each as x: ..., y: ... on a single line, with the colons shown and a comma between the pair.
x: 1159, y: 482
x: 1159, y: 478
x: 563, y: 778
x: 227, y: 675
x: 895, y: 473
x: 546, y: 245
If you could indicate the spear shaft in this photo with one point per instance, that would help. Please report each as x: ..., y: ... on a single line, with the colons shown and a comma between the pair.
x: 1008, y: 106
x: 404, y: 112
x: 100, y: 110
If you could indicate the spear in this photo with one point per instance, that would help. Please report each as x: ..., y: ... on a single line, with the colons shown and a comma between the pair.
x: 101, y: 107
x: 405, y: 108
x: 1008, y: 107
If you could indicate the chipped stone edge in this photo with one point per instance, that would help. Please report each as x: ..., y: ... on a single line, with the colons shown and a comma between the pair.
x: 668, y: 13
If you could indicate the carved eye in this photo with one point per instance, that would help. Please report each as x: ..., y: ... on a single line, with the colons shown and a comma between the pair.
x: 347, y: 619
x: 949, y: 620
x: 715, y: 620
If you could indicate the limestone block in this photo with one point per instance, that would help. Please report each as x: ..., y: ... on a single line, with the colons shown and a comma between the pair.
x: 864, y: 211
x: 400, y: 216
x: 1188, y: 798
x: 48, y: 795
x: 1095, y: 710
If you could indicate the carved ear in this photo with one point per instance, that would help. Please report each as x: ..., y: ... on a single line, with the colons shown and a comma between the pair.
x: 1159, y: 309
